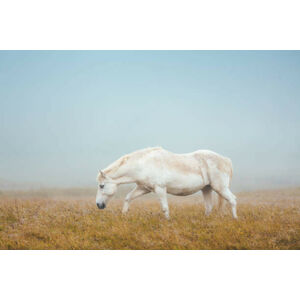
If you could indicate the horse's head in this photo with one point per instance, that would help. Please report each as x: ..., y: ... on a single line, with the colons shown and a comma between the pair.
x: 106, y: 189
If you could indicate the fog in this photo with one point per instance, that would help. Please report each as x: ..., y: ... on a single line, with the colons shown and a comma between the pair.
x: 66, y: 114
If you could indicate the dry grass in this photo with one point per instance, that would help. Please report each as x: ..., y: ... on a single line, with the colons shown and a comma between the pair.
x: 70, y: 220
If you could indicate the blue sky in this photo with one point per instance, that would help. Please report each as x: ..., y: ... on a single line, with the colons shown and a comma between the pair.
x: 65, y: 114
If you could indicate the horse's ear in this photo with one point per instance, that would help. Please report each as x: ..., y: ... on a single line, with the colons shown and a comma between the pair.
x: 102, y: 174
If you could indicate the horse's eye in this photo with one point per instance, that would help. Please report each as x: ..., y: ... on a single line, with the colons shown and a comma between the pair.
x: 101, y: 186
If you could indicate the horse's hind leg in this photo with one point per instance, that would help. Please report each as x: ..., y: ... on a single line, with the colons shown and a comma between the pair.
x: 207, y: 195
x: 221, y: 203
x: 230, y: 197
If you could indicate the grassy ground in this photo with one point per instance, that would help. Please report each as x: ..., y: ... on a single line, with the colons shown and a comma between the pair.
x: 70, y: 220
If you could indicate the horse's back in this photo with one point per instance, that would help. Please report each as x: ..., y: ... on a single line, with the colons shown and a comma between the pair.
x: 188, y: 162
x: 201, y: 162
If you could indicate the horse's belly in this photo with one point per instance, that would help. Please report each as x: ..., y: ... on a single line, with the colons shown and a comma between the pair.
x: 183, y: 192
x: 185, y: 187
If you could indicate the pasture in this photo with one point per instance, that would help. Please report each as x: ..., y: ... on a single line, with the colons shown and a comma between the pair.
x: 69, y: 219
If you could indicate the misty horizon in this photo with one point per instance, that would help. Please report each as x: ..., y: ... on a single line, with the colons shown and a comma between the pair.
x: 67, y: 114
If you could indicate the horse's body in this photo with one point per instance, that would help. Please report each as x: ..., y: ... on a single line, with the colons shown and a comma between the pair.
x: 160, y: 171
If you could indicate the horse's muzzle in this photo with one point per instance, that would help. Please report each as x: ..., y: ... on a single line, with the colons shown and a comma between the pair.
x: 101, y: 206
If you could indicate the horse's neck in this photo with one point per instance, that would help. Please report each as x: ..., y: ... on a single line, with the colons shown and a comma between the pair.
x: 118, y: 171
x: 121, y: 178
x: 124, y: 180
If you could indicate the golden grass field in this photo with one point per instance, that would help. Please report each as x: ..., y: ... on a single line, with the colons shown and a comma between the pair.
x: 69, y: 219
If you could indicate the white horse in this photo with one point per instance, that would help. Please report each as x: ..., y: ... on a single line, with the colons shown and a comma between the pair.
x: 160, y: 171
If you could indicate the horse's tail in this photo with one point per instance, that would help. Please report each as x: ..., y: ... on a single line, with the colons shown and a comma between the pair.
x: 221, y: 200
x: 231, y: 172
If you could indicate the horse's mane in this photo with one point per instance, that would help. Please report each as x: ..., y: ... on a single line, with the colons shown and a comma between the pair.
x: 116, y: 164
x: 122, y: 160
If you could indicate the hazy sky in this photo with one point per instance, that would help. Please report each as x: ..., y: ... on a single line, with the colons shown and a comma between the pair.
x: 65, y: 114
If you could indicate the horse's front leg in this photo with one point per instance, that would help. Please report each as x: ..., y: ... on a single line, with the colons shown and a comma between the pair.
x: 162, y: 194
x: 136, y: 192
